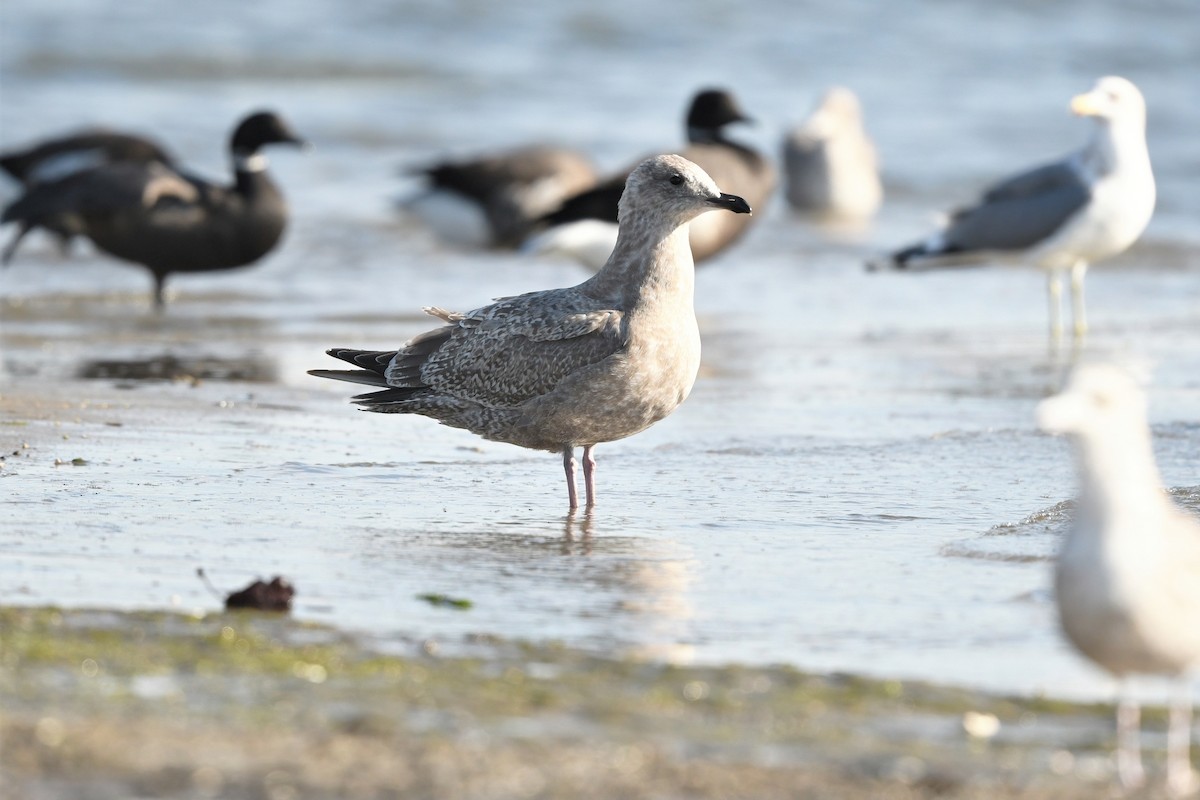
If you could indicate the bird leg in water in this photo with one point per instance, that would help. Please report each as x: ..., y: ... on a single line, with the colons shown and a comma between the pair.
x: 1129, y: 752
x: 160, y: 297
x: 11, y: 250
x: 589, y: 475
x: 1078, y: 311
x: 569, y: 468
x: 1181, y: 781
x: 1054, y: 294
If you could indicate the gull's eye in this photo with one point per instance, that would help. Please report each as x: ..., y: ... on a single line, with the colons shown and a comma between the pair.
x: 676, y: 179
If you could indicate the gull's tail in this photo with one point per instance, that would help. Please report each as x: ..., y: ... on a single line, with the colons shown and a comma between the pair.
x: 931, y: 253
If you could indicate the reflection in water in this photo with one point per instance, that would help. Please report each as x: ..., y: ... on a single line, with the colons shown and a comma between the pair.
x: 571, y: 545
x: 167, y: 367
x: 652, y: 593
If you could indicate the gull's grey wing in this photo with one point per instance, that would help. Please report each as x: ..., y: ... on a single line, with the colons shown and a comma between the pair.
x: 511, y: 351
x: 1021, y: 211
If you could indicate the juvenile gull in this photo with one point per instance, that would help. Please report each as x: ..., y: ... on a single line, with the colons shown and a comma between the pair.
x: 830, y: 165
x: 1128, y: 574
x: 1064, y: 215
x: 164, y: 219
x: 573, y: 367
x: 584, y: 226
x: 493, y: 200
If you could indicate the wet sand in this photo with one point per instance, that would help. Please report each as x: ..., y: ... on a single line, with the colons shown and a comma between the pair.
x: 104, y: 704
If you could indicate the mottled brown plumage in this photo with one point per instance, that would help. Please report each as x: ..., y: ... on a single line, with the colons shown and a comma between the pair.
x: 573, y: 367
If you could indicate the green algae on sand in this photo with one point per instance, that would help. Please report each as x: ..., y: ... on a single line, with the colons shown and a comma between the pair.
x: 231, y: 704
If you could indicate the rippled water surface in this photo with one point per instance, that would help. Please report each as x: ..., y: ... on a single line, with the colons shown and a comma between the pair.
x: 856, y: 482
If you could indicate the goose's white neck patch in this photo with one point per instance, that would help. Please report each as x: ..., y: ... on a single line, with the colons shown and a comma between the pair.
x: 255, y: 162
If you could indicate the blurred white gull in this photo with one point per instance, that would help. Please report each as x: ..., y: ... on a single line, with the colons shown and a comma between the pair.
x: 1128, y: 574
x: 1065, y: 215
x: 566, y: 368
x: 831, y: 169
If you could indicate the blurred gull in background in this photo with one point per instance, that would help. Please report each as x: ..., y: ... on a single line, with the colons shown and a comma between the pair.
x: 830, y: 166
x: 1128, y: 573
x: 1067, y: 214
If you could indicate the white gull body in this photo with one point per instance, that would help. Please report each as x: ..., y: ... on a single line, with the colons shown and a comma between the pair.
x: 830, y: 165
x: 1065, y: 215
x: 1127, y: 577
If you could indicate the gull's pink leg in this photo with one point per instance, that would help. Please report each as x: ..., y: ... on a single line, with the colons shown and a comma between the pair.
x: 569, y: 468
x: 1181, y: 780
x: 589, y: 475
x: 1129, y: 751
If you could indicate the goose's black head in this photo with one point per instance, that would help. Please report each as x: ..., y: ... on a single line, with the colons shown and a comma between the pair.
x: 260, y: 129
x: 711, y: 110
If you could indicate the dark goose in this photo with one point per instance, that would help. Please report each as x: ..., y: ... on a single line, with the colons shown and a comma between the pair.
x: 62, y: 156
x: 494, y: 200
x: 57, y: 158
x: 584, y: 226
x: 164, y: 219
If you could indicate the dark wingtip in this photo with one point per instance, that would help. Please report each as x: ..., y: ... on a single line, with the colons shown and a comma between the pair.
x: 900, y: 258
x: 897, y: 259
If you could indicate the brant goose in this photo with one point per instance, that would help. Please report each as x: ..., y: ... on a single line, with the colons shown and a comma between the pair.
x: 493, y: 201
x: 1127, y: 579
x: 584, y: 226
x: 830, y: 165
x: 567, y: 368
x: 1064, y: 215
x: 166, y: 220
x: 55, y: 159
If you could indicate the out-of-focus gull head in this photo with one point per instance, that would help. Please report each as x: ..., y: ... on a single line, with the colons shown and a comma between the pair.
x: 1098, y: 399
x: 1112, y: 99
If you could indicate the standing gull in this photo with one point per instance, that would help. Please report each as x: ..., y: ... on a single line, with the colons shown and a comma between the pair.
x: 1128, y: 573
x: 830, y: 164
x: 573, y: 367
x: 1067, y: 214
x: 584, y: 227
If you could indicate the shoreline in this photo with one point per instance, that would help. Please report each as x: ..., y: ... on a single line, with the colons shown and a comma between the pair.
x: 103, y: 704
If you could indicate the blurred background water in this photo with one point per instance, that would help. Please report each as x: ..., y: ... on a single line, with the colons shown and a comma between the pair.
x: 856, y: 482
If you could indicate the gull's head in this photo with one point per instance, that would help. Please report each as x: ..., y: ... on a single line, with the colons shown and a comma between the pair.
x: 839, y: 111
x: 1113, y: 100
x: 1099, y: 399
x: 672, y: 189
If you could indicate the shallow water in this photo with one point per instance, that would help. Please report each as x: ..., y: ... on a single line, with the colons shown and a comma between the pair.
x: 856, y: 482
